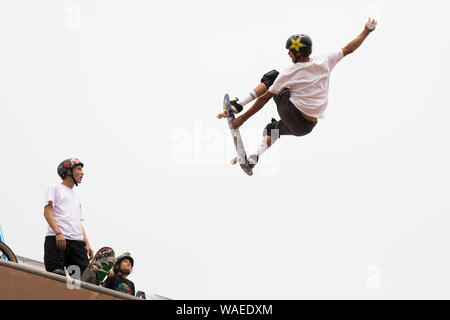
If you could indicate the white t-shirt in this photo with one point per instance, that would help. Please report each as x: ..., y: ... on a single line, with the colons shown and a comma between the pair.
x: 67, y: 211
x: 308, y: 82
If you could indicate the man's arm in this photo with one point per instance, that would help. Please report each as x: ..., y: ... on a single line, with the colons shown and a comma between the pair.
x: 259, y: 103
x: 48, y: 214
x: 353, y: 45
x: 88, y: 246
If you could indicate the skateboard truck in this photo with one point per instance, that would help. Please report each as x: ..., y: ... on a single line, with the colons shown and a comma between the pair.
x: 141, y: 294
x: 95, y: 268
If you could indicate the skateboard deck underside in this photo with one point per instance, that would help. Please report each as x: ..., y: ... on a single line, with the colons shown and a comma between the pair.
x: 104, y: 262
x: 236, y: 135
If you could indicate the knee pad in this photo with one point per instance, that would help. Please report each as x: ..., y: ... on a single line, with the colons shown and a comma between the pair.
x: 269, y: 78
x: 271, y: 126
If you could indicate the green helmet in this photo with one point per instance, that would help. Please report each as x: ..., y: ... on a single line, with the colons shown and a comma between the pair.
x: 119, y: 259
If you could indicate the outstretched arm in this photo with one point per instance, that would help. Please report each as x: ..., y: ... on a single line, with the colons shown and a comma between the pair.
x: 353, y: 45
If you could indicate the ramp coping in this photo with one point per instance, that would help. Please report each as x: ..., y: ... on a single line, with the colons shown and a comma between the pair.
x: 42, y: 273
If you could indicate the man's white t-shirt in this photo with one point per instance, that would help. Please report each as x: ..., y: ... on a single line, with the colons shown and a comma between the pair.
x: 308, y: 82
x: 67, y: 211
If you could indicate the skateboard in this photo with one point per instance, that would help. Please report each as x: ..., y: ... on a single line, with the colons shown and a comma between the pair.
x: 241, y: 155
x: 100, y: 267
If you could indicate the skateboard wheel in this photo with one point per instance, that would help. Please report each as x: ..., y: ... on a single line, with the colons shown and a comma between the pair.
x: 226, y: 113
x: 94, y: 268
x: 219, y: 116
x: 234, y: 161
x: 240, y: 160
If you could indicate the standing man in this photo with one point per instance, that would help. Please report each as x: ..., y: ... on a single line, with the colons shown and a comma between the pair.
x: 300, y: 92
x: 66, y: 243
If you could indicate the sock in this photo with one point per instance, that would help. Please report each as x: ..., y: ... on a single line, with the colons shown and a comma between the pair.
x: 261, y: 149
x: 248, y: 98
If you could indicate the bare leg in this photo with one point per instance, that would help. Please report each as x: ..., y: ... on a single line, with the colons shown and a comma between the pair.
x: 238, y: 104
x: 269, y: 141
x: 260, y: 89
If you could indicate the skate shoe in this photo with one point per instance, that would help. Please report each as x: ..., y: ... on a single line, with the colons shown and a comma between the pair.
x: 235, y: 106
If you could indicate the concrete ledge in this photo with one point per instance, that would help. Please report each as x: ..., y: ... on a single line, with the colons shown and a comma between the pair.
x: 21, y: 282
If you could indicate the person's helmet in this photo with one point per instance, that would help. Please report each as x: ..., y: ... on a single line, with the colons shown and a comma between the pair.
x: 300, y: 43
x: 120, y: 258
x: 66, y: 165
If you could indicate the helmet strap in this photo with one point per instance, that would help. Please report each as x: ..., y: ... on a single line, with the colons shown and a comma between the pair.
x: 125, y: 273
x: 71, y: 175
x: 74, y: 180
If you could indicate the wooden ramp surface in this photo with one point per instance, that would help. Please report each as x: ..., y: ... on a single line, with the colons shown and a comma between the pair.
x: 22, y: 282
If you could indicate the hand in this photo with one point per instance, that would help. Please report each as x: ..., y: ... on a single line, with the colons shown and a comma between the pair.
x: 371, y: 25
x: 239, y: 121
x: 90, y: 251
x: 60, y: 242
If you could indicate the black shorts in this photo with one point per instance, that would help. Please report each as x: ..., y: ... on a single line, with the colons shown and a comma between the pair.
x: 292, y: 120
x: 74, y: 254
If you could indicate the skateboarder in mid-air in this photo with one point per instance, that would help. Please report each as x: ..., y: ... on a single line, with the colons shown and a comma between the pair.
x: 300, y: 92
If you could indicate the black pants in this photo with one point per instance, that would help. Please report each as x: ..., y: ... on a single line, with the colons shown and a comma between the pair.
x: 75, y: 254
x: 292, y: 121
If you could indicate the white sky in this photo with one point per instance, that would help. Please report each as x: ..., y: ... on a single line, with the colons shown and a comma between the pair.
x: 357, y: 209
